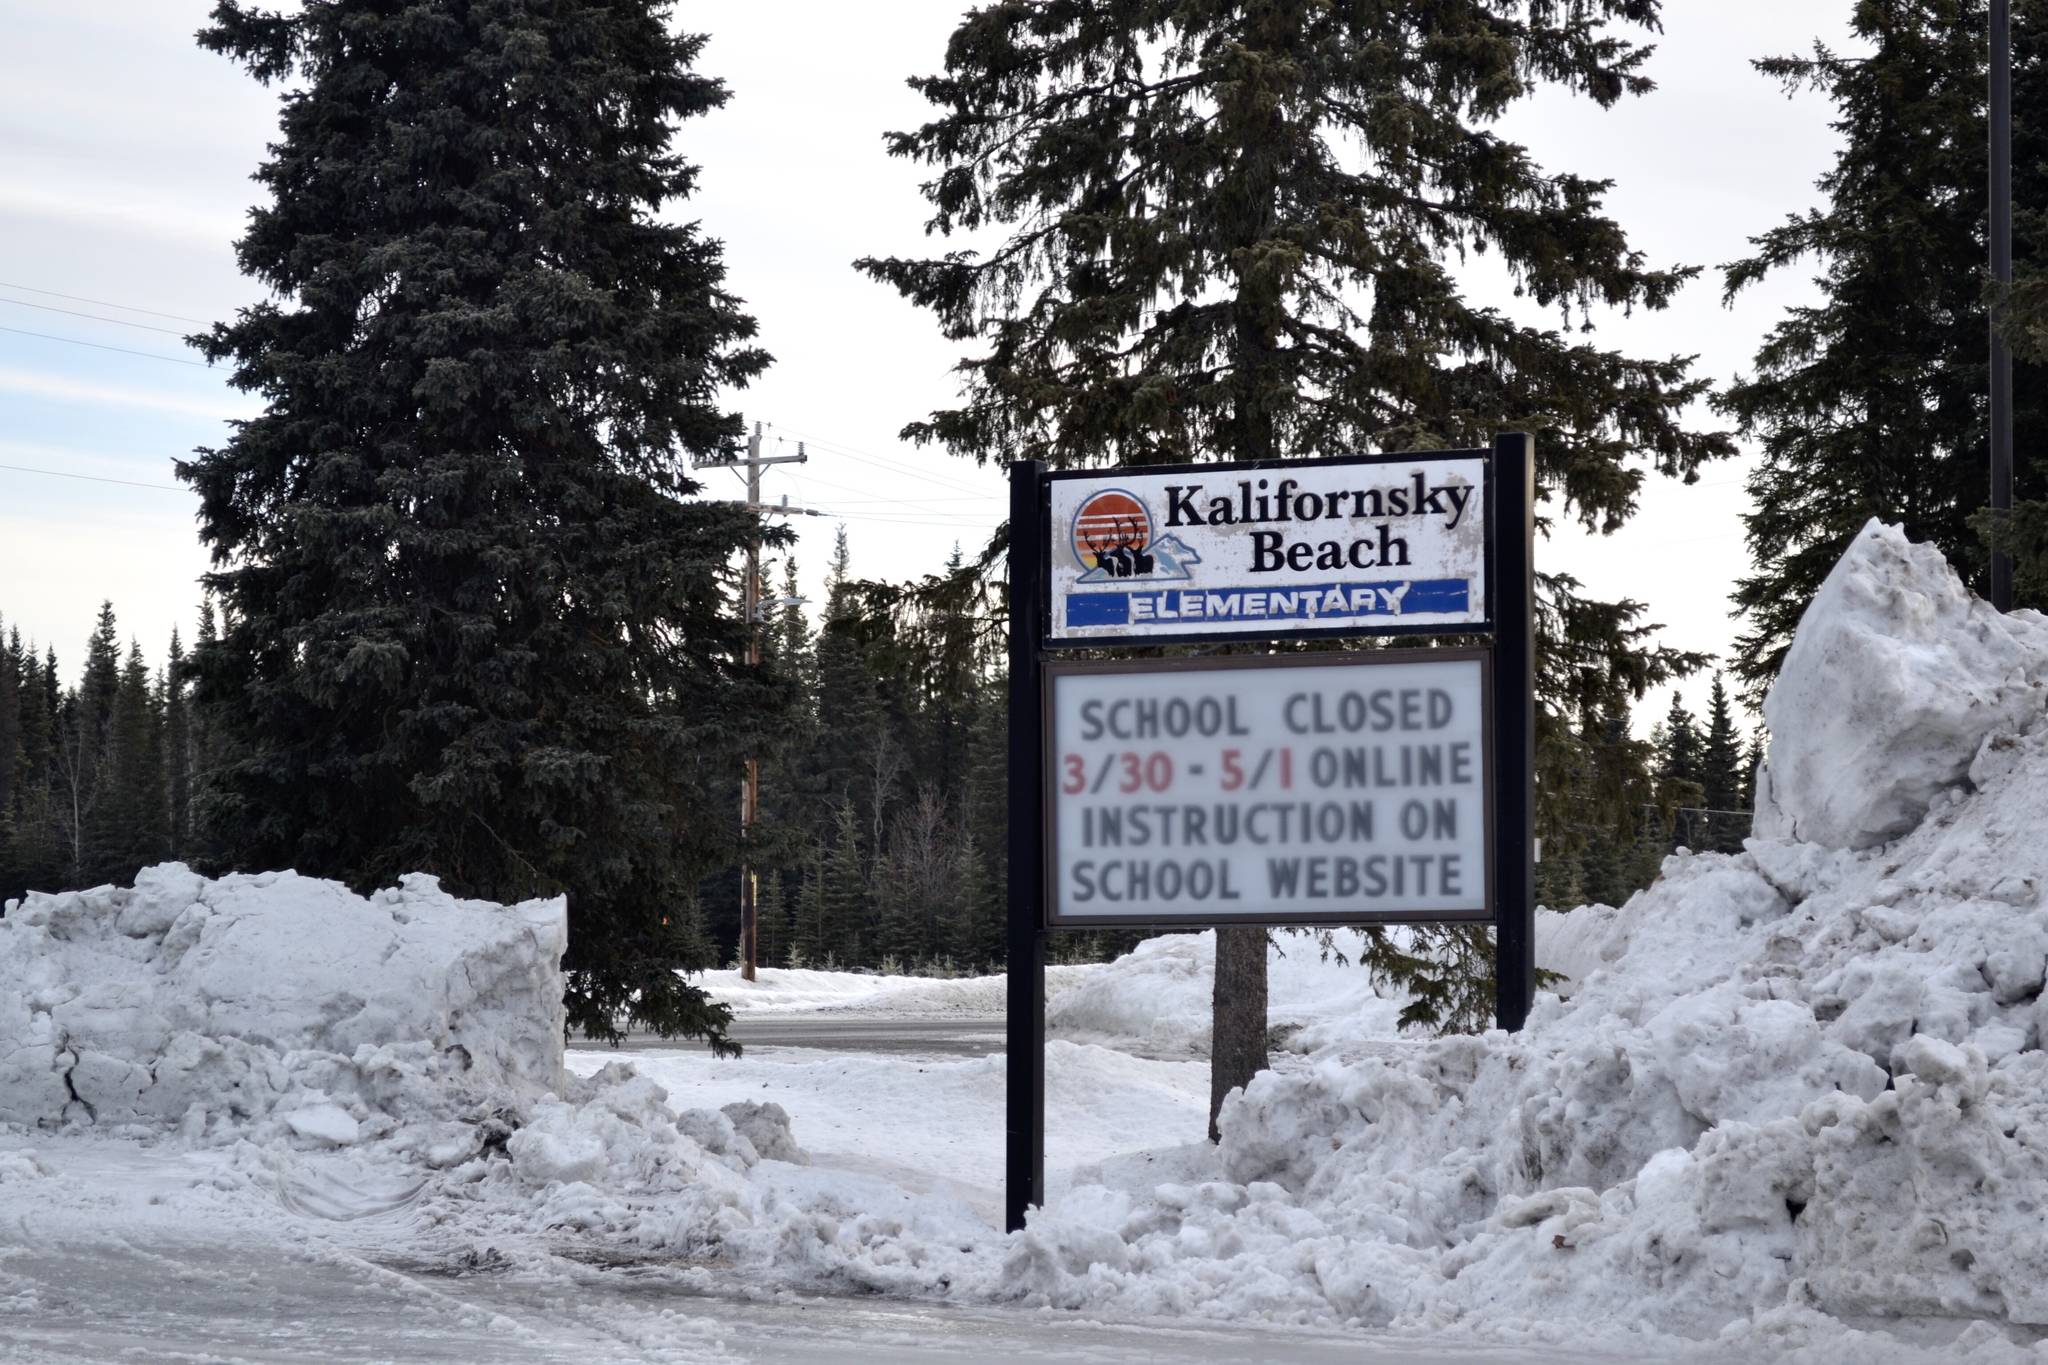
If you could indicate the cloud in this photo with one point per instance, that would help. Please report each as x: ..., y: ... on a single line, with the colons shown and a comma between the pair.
x: 59, y: 389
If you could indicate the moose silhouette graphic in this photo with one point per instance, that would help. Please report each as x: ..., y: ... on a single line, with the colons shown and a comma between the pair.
x: 1121, y: 553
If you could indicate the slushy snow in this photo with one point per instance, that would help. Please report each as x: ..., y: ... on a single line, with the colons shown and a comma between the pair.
x: 1793, y: 1102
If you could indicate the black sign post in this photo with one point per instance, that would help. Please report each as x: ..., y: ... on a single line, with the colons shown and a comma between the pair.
x: 1024, y: 1159
x: 1509, y: 618
x: 1511, y: 502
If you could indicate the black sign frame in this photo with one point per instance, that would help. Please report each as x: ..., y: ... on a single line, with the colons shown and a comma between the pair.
x: 1246, y: 663
x: 1509, y: 570
x: 1276, y: 630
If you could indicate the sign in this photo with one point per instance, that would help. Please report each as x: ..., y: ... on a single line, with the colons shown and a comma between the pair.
x: 1280, y: 790
x: 1349, y: 787
x: 1346, y: 546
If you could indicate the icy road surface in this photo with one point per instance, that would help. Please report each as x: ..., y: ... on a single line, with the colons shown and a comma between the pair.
x: 132, y: 1252
x: 176, y: 1302
x: 962, y: 1036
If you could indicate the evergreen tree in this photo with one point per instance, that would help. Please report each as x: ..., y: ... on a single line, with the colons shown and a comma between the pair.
x: 848, y: 701
x: 1678, y: 742
x: 100, y: 685
x: 177, y: 743
x: 1597, y: 857
x: 36, y: 850
x: 974, y: 933
x: 809, y: 941
x: 1230, y: 235
x: 471, y: 626
x: 792, y: 629
x: 843, y: 893
x: 1752, y: 760
x: 130, y: 828
x: 1720, y: 774
x: 12, y: 686
x: 85, y: 717
x: 771, y: 913
x: 1679, y: 790
x: 1870, y: 402
x: 209, y: 752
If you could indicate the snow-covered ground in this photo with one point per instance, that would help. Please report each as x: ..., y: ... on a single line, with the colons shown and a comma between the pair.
x: 807, y: 990
x: 1793, y: 1106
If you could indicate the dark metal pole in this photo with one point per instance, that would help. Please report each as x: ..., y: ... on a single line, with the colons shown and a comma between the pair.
x: 1024, y: 1147
x: 1511, y: 594
x: 2001, y: 273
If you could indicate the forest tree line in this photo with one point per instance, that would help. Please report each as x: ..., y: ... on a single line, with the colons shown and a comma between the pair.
x: 882, y: 842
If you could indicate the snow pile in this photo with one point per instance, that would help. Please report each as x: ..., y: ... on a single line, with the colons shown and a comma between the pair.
x: 1793, y: 1088
x: 1156, y: 999
x: 355, y: 1056
x: 1795, y: 1082
x: 184, y: 1000
x: 1894, y: 679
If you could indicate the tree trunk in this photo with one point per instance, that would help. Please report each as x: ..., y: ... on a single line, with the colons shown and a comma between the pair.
x: 1237, y: 1050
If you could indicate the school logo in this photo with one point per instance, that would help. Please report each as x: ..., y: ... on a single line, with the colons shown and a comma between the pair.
x: 1114, y: 537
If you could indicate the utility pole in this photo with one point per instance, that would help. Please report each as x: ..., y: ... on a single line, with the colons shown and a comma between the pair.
x: 753, y: 610
x: 2001, y: 275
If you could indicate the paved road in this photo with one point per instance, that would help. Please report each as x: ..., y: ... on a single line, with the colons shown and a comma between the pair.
x: 947, y: 1037
x: 111, y: 1299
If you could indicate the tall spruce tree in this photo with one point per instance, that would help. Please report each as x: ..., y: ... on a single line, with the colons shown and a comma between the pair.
x: 177, y: 741
x: 131, y: 822
x: 1870, y: 403
x: 1679, y: 790
x: 36, y: 848
x: 470, y: 624
x: 1720, y: 774
x: 1229, y: 232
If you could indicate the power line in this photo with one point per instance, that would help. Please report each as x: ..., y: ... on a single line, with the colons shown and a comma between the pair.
x: 885, y: 462
x: 74, y: 313
x: 888, y: 520
x: 102, y: 346
x: 93, y: 478
x: 103, y: 303
x: 913, y: 504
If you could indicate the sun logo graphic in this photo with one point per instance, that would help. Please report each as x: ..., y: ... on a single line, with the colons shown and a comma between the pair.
x: 1113, y: 538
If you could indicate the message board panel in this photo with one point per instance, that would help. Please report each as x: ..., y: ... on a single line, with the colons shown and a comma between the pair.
x: 1358, y: 546
x: 1274, y: 790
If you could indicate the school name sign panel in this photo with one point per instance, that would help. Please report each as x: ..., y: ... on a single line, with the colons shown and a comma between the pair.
x: 1336, y: 546
x: 1269, y: 790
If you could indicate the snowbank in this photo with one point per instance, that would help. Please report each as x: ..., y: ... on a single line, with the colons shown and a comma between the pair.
x: 188, y: 1000
x: 1794, y: 1086
x: 1895, y: 677
x: 355, y: 1056
x: 1793, y: 1089
x: 1157, y: 998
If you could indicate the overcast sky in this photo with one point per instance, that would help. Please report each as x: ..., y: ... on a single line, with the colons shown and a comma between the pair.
x: 125, y: 152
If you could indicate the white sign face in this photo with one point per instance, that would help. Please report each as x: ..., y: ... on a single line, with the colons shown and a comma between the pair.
x: 1355, y: 545
x: 1267, y: 790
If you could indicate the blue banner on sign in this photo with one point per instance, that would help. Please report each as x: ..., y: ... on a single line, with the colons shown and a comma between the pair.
x: 1334, y: 602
